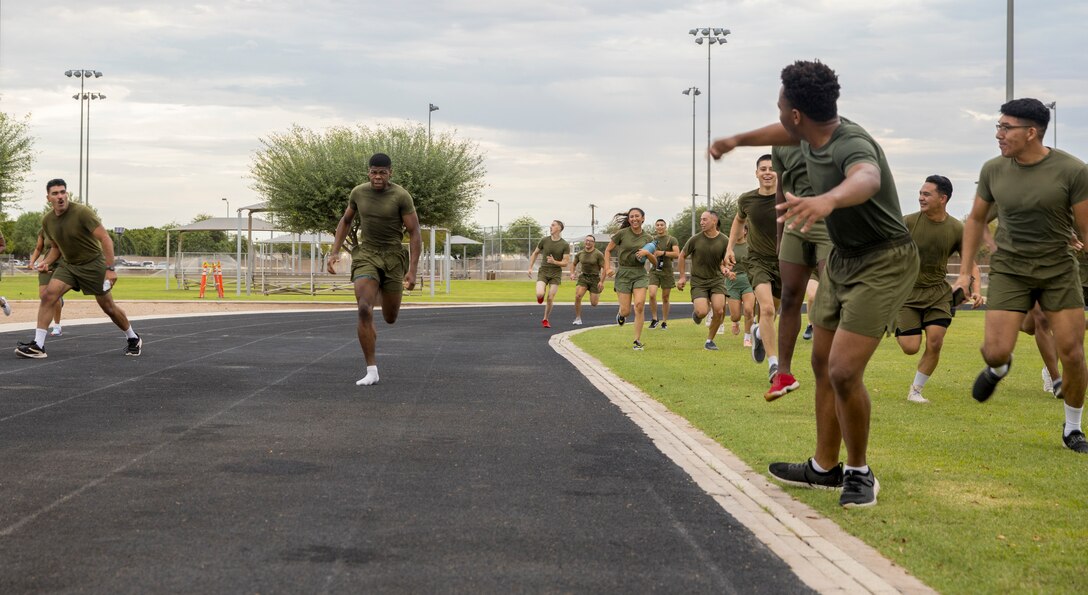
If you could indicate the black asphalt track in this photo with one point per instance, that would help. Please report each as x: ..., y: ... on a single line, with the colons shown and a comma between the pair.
x: 237, y: 455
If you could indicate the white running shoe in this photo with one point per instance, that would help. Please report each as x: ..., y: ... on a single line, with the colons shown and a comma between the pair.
x: 1048, y: 382
x: 577, y: 322
x: 5, y: 306
x: 55, y: 331
x: 915, y: 395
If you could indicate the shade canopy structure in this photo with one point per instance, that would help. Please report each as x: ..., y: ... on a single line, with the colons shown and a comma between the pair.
x: 463, y: 241
x: 215, y: 224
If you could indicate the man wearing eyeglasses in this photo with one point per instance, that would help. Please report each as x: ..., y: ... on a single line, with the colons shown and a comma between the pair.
x: 379, y: 260
x: 1039, y: 194
x: 930, y: 305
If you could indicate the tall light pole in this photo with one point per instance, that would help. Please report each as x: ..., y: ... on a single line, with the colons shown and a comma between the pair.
x: 82, y: 75
x: 711, y: 36
x: 1008, y: 49
x: 228, y: 206
x: 1054, y: 106
x: 693, y: 91
x: 431, y: 109
x: 592, y: 219
x: 498, y: 225
x: 86, y: 172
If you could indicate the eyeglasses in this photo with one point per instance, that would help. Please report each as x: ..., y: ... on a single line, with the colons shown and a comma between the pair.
x: 1005, y: 128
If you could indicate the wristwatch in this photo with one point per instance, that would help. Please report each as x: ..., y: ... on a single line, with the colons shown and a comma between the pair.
x: 110, y: 268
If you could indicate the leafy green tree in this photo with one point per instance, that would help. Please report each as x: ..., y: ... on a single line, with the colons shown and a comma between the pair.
x: 306, y: 176
x: 16, y: 155
x: 725, y: 204
x: 24, y: 233
x: 521, y: 235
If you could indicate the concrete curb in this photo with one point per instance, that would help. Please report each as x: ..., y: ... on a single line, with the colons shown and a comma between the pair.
x: 822, y: 555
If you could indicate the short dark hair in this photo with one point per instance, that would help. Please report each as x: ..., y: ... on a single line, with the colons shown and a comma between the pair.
x: 561, y: 226
x: 944, y: 186
x: 55, y: 182
x: 716, y: 216
x: 380, y: 160
x: 663, y: 221
x: 762, y: 158
x: 811, y: 88
x: 1030, y: 109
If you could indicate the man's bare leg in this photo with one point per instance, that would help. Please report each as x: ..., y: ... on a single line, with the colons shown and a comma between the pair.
x: 367, y: 293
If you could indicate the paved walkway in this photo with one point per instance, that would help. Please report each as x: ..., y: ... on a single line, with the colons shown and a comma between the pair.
x: 238, y: 455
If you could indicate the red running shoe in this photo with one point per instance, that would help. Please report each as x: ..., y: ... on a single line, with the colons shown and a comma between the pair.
x: 545, y: 323
x: 782, y: 384
x: 540, y: 299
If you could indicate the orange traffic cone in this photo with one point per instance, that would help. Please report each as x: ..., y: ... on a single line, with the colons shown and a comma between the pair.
x: 203, y: 279
x: 219, y: 278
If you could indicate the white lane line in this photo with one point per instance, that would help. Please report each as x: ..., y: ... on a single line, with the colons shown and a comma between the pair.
x: 822, y: 555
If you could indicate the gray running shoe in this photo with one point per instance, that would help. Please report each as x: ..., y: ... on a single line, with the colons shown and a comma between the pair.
x: 1057, y: 386
x: 808, y: 333
x: 859, y: 490
x: 695, y: 316
x: 710, y: 346
x: 5, y: 306
x: 771, y: 371
x: 802, y: 475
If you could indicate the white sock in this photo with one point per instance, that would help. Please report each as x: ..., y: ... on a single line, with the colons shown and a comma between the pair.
x: 772, y: 360
x: 920, y: 379
x: 747, y: 336
x: 816, y: 466
x: 1072, y: 419
x: 862, y: 470
x: 131, y: 334
x: 1001, y: 371
x: 39, y: 336
x: 370, y: 378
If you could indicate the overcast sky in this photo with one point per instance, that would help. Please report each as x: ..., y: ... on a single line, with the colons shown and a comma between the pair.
x: 572, y: 102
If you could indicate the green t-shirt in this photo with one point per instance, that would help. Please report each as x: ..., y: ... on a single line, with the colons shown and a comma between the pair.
x: 789, y: 163
x: 381, y: 223
x: 936, y: 242
x: 557, y: 249
x: 740, y: 253
x: 591, y: 261
x: 706, y: 256
x: 873, y: 222
x: 1035, y: 203
x: 73, y: 233
x: 758, y: 210
x: 628, y: 244
x: 665, y: 243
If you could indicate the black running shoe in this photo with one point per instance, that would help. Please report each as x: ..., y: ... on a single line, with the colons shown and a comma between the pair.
x: 664, y: 325
x: 759, y: 352
x: 637, y: 345
x: 30, y: 350
x: 1057, y: 385
x: 620, y: 320
x: 134, y: 347
x: 808, y: 333
x: 1075, y: 441
x: 771, y: 371
x: 695, y: 317
x: 653, y: 323
x: 859, y: 490
x: 802, y: 475
x: 710, y: 346
x: 986, y: 383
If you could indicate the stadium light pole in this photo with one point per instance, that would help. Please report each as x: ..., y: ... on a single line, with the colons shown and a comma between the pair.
x: 693, y: 91
x: 228, y: 206
x: 82, y: 75
x: 709, y: 36
x: 498, y: 226
x: 592, y: 219
x: 430, y: 109
x: 86, y: 172
x: 1008, y: 49
x: 1054, y: 106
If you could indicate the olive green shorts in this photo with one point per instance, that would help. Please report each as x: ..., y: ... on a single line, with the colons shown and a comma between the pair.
x: 550, y: 275
x: 662, y: 279
x: 736, y: 288
x: 863, y: 293
x: 44, y: 277
x: 87, y: 277
x: 1055, y: 287
x: 386, y: 266
x: 590, y: 282
x: 762, y: 269
x: 925, y: 306
x: 705, y: 289
x: 629, y: 279
x: 807, y: 249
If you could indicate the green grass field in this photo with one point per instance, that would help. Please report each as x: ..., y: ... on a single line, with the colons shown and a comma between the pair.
x: 975, y: 498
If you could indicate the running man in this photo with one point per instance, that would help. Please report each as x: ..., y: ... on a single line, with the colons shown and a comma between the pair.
x: 756, y: 208
x: 556, y: 253
x: 83, y: 254
x: 592, y: 260
x: 930, y: 306
x: 41, y: 248
x: 1040, y: 194
x: 800, y: 255
x: 631, y: 277
x: 707, y: 251
x: 871, y: 268
x: 739, y: 295
x: 385, y: 211
x: 4, y: 306
x: 668, y: 249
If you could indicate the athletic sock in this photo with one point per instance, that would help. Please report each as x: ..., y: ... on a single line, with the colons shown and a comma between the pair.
x: 1072, y: 419
x: 370, y: 378
x: 862, y: 470
x: 816, y: 466
x: 129, y: 333
x: 39, y: 337
x: 747, y: 336
x: 1000, y: 371
x: 920, y: 379
x: 772, y: 360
